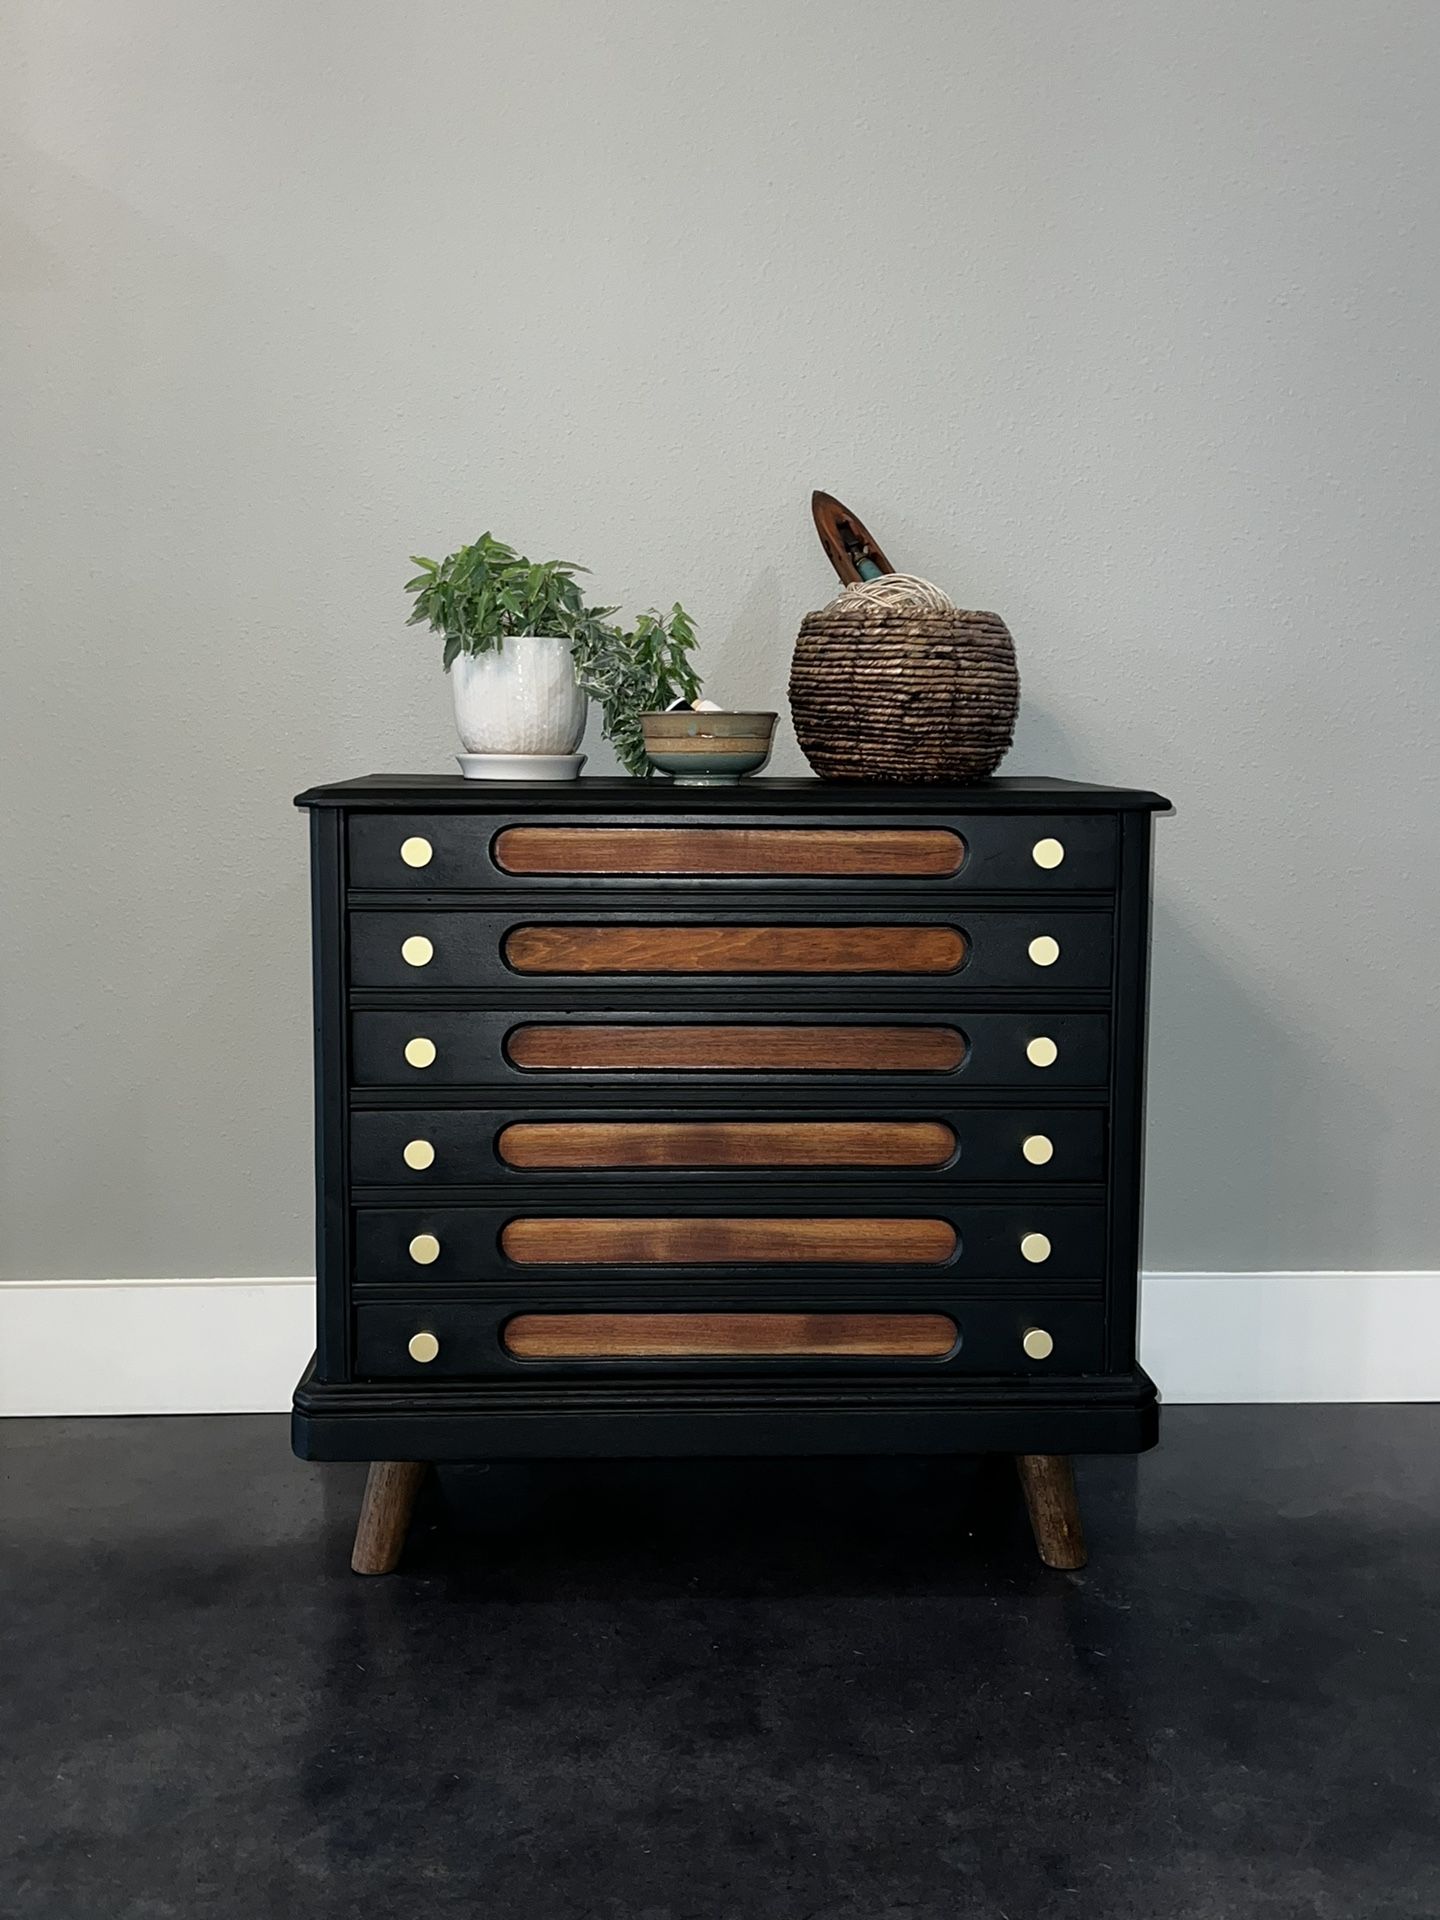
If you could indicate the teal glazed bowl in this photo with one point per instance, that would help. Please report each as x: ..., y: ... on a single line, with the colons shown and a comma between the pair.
x: 708, y: 749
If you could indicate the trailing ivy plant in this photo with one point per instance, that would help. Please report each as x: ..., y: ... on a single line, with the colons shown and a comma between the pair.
x: 643, y: 671
x: 479, y: 596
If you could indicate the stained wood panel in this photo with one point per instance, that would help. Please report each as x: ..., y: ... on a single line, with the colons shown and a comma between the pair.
x: 716, y: 1242
x: 712, y: 949
x: 737, y: 1048
x: 828, y: 852
x: 751, y: 1336
x: 727, y: 1143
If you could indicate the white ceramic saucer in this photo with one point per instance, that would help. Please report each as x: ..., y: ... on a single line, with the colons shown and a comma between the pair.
x: 520, y: 766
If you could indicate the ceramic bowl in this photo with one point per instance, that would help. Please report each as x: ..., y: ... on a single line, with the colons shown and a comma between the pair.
x: 708, y: 749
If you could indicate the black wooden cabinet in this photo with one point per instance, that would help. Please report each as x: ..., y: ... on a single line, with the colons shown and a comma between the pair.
x: 785, y: 1117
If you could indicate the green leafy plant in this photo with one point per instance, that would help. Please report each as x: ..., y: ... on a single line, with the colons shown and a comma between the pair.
x: 481, y: 595
x: 643, y: 671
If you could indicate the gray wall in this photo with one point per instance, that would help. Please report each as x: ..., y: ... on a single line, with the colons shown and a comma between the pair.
x: 1118, y: 318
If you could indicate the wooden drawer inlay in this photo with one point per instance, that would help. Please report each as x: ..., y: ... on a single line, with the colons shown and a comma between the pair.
x: 826, y: 852
x: 738, y: 1049
x: 659, y: 949
x: 712, y: 1242
x: 752, y: 1336
x: 727, y: 1143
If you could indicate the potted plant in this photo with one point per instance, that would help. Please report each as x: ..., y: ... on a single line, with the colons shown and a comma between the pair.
x: 508, y: 627
x: 628, y: 675
x: 524, y: 653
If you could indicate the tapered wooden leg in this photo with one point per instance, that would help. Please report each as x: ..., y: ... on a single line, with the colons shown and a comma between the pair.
x: 1049, y: 1484
x: 391, y: 1488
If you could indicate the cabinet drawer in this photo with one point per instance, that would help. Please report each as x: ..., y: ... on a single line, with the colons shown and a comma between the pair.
x: 482, y: 1047
x: 442, y: 1147
x: 438, y: 1339
x: 470, y: 852
x: 1052, y: 949
x: 463, y: 1246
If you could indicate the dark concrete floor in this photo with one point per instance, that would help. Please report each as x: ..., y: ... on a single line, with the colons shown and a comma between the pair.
x: 793, y: 1691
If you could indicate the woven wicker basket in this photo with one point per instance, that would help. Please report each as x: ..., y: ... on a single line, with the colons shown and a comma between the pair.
x: 880, y: 693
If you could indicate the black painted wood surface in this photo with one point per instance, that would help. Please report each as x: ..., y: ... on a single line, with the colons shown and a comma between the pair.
x: 365, y: 1396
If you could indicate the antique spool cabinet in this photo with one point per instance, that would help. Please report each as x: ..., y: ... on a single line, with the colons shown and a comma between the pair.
x: 789, y: 1117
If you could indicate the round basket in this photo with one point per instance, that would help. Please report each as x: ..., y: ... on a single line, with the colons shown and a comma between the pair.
x: 884, y: 693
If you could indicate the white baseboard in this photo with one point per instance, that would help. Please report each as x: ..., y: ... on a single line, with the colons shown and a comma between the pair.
x: 1237, y: 1337
x: 153, y: 1346
x: 238, y: 1346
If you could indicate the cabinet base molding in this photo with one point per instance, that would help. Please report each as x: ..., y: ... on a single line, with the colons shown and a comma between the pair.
x: 697, y: 1419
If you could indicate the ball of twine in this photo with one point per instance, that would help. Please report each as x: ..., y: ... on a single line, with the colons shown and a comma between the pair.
x: 896, y: 592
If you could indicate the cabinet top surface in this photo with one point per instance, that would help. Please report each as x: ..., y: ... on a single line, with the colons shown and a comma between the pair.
x: 428, y: 792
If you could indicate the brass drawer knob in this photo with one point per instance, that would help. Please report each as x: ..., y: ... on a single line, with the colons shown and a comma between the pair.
x: 1047, y: 853
x: 424, y: 1249
x: 418, y: 952
x: 1044, y: 950
x: 420, y: 1052
x: 1042, y: 1051
x: 1035, y: 1247
x: 1038, y: 1149
x: 419, y: 1154
x: 416, y: 851
x: 1038, y: 1343
x: 423, y: 1347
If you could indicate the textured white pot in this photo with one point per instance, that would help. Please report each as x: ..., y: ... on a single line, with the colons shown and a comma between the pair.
x: 521, y: 700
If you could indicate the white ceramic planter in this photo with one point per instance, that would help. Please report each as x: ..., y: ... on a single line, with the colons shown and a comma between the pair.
x: 522, y: 699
